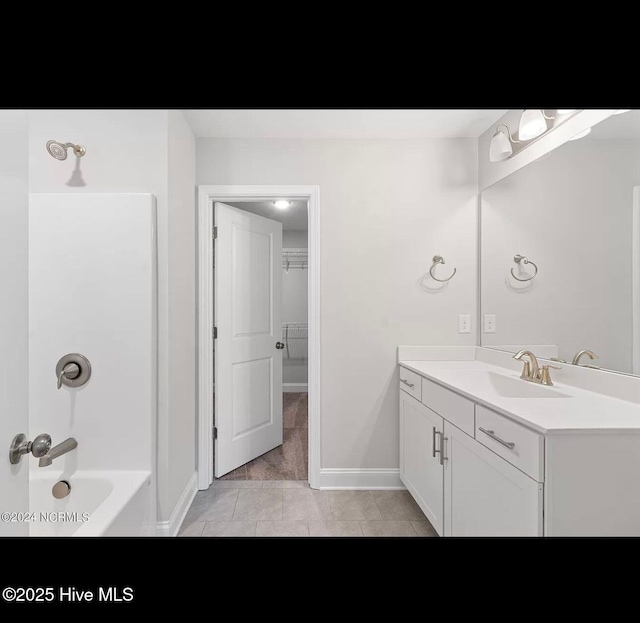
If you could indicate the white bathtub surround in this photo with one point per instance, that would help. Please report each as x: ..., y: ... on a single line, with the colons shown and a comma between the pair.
x: 92, y: 290
x: 171, y: 527
x: 142, y: 151
x: 114, y: 503
x: 565, y: 463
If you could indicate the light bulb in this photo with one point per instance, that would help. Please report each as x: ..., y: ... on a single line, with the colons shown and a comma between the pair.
x: 281, y: 204
x: 532, y: 124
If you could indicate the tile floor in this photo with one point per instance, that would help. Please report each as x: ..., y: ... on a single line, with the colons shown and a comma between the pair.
x: 288, y: 461
x: 291, y: 508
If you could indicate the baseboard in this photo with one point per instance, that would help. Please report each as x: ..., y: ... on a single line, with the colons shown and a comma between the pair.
x: 360, y: 479
x: 172, y: 526
x: 295, y: 387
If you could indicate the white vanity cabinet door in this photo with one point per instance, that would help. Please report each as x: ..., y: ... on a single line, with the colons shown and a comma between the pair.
x: 484, y: 494
x: 420, y: 471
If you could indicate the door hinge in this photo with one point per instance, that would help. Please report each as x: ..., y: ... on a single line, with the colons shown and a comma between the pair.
x: 215, y: 232
x: 215, y: 432
x: 215, y: 333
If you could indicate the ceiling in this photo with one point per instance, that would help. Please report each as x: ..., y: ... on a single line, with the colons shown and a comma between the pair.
x: 294, y: 217
x: 326, y: 123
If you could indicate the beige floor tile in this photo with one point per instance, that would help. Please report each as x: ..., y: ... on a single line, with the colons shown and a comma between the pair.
x: 353, y: 505
x: 335, y: 528
x: 212, y: 505
x: 305, y: 504
x: 237, y: 484
x: 285, y: 484
x: 397, y: 505
x: 258, y: 505
x: 424, y: 528
x: 282, y: 528
x: 387, y: 528
x: 192, y: 529
x: 229, y: 528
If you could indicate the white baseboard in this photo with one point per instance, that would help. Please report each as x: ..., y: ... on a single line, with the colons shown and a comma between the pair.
x: 295, y: 387
x: 360, y: 479
x: 172, y: 526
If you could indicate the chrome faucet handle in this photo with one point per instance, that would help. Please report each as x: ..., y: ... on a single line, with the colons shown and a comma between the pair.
x: 545, y: 375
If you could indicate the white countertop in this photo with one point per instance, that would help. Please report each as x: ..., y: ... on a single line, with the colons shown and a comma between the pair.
x: 576, y: 410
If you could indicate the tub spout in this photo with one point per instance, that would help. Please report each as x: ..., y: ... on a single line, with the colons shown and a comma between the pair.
x: 62, y: 448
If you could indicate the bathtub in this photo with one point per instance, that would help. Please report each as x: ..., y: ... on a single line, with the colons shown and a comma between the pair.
x: 101, y: 503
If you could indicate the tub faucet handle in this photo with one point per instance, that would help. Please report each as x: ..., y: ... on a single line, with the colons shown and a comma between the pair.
x: 70, y: 371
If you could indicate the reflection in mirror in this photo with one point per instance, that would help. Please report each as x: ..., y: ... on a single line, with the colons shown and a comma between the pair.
x: 574, y: 215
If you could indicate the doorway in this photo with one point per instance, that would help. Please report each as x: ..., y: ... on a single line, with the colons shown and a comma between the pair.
x: 259, y: 377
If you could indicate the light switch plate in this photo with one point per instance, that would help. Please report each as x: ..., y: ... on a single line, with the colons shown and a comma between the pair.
x: 464, y: 323
x: 489, y: 323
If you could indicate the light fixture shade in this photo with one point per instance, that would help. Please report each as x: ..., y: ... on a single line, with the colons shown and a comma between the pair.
x: 565, y: 111
x: 532, y: 124
x: 621, y: 111
x: 282, y: 204
x: 500, y: 147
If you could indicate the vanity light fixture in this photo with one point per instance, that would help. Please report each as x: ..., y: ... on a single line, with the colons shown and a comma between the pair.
x: 580, y: 134
x: 532, y: 125
x: 500, y: 148
x: 282, y: 204
x: 622, y: 111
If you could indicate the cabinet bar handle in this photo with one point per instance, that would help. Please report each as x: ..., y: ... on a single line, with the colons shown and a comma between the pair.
x: 490, y: 433
x: 433, y: 441
x: 443, y: 458
x: 406, y: 382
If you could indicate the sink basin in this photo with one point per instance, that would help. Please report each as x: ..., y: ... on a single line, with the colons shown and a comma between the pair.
x: 509, y: 387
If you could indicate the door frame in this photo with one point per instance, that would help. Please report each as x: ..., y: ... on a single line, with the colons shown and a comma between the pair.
x: 207, y: 196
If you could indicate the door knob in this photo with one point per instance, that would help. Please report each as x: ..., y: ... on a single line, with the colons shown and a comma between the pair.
x: 279, y: 345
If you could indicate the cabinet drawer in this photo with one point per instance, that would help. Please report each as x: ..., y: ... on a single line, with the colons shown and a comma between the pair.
x: 410, y: 382
x: 514, y: 443
x: 450, y: 406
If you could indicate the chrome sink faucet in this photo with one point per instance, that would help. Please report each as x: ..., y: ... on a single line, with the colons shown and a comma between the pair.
x: 57, y: 451
x: 532, y: 372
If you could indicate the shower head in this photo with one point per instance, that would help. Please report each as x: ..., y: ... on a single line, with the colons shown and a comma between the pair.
x: 59, y: 150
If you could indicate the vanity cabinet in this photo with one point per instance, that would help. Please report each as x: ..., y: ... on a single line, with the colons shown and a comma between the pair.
x: 421, y: 468
x: 463, y: 486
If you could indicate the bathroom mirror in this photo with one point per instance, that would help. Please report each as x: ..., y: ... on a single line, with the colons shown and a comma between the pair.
x: 560, y: 251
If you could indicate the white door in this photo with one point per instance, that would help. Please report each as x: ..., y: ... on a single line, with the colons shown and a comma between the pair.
x: 484, y: 495
x: 14, y: 313
x: 420, y: 466
x: 248, y: 350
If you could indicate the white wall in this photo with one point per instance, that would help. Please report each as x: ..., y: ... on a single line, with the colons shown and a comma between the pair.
x: 491, y: 172
x: 181, y: 439
x: 295, y: 307
x: 14, y: 391
x: 387, y: 207
x: 571, y: 213
x: 92, y: 291
x: 128, y: 151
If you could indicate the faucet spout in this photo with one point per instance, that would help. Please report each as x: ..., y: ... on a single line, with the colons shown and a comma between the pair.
x: 57, y: 451
x: 580, y: 354
x: 534, y: 374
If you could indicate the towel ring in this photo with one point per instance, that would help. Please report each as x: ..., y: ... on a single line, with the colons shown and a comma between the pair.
x: 438, y: 259
x: 521, y: 258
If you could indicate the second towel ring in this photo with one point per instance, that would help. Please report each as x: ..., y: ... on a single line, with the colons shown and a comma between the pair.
x: 438, y: 259
x: 521, y: 258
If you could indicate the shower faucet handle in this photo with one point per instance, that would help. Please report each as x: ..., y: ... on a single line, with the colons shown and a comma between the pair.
x: 70, y: 371
x: 21, y: 446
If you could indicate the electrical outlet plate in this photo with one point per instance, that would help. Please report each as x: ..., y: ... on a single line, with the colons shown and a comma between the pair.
x: 464, y: 323
x: 489, y: 323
